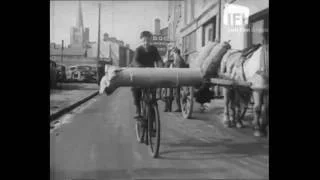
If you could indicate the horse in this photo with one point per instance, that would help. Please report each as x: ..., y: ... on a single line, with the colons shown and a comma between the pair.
x: 250, y: 65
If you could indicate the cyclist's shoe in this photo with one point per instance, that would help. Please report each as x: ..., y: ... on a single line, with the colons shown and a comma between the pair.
x: 177, y: 110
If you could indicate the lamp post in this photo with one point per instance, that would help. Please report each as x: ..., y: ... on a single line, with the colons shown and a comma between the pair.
x: 98, y: 49
x: 62, y: 51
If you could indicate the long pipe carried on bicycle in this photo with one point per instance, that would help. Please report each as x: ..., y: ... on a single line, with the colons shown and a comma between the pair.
x: 149, y: 78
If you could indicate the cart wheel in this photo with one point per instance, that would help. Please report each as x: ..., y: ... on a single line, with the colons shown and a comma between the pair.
x: 186, y: 101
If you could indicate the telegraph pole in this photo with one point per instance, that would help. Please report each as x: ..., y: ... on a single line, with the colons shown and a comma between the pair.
x: 62, y: 52
x: 220, y: 14
x: 98, y: 49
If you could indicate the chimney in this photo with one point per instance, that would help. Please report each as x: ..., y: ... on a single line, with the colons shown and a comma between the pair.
x: 157, y: 26
x: 105, y: 37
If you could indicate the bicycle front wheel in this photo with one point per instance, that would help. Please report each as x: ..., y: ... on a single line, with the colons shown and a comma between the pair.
x: 140, y: 127
x: 154, y: 129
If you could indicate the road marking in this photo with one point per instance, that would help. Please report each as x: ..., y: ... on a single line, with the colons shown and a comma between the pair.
x: 205, y: 140
x: 256, y: 162
x: 243, y: 162
x: 210, y: 126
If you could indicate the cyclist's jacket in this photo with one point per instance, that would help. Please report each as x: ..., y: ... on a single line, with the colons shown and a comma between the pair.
x: 143, y: 58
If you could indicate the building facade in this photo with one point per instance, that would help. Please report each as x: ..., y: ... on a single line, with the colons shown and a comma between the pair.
x: 193, y: 23
x: 111, y: 49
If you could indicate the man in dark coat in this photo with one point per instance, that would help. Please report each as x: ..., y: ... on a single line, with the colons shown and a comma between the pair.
x: 178, y: 62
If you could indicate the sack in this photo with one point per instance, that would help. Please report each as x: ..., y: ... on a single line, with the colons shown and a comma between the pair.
x: 211, y: 64
x: 204, y: 52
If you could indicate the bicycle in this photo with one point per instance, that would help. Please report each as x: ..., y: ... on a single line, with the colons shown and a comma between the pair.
x: 148, y: 125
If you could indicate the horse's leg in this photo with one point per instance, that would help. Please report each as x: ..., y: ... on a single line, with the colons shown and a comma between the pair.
x: 257, y: 98
x: 237, y: 109
x: 170, y: 99
x: 226, y: 120
x: 265, y: 112
x: 232, y: 107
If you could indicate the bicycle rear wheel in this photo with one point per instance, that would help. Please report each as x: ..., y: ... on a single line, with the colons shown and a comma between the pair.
x: 154, y: 129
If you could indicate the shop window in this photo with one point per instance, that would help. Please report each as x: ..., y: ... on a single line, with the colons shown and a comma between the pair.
x: 204, y: 2
x: 209, y: 31
x: 259, y: 31
x: 192, y: 6
x: 185, y: 12
x: 189, y: 42
x: 258, y: 28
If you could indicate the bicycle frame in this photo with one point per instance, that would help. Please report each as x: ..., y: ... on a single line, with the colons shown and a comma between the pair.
x: 150, y: 121
x: 148, y: 98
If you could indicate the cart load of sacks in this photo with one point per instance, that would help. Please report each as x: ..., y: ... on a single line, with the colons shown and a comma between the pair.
x: 214, y: 60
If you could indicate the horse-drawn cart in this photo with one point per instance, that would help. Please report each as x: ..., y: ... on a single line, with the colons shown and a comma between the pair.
x: 238, y: 72
x: 187, y: 93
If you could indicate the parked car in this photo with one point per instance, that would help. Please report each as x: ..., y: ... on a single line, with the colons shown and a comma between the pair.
x: 61, y: 73
x: 53, y: 74
x: 69, y: 73
x: 87, y: 73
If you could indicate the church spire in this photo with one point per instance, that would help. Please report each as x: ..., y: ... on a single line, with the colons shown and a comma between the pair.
x: 79, y: 23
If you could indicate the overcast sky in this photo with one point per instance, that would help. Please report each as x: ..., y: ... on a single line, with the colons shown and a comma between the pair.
x: 129, y: 19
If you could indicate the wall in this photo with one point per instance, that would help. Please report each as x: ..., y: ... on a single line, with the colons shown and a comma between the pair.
x: 238, y: 39
x: 105, y: 47
x: 122, y: 57
x: 203, y: 13
x: 115, y: 53
x: 201, y: 6
x: 70, y: 61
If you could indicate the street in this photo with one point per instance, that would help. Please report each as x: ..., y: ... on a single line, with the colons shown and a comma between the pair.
x: 98, y: 141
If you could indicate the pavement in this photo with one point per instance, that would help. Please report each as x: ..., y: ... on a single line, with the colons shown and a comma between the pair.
x: 70, y: 95
x: 97, y: 141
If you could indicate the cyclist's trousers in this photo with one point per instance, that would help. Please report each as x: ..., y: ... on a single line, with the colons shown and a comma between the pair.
x: 137, y: 93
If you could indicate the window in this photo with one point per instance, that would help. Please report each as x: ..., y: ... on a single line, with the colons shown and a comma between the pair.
x: 169, y: 8
x: 258, y: 28
x: 209, y: 31
x: 259, y: 32
x: 192, y: 6
x: 189, y: 42
x: 169, y: 31
x: 185, y: 12
x: 204, y: 2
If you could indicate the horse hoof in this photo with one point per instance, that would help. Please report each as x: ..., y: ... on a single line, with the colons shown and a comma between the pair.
x: 239, y: 125
x: 232, y: 123
x: 227, y: 124
x: 258, y: 133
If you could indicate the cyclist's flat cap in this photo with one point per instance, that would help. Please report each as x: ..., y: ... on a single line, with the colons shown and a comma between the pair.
x: 145, y: 34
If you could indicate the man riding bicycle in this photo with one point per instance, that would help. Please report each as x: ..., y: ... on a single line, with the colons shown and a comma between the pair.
x: 145, y: 55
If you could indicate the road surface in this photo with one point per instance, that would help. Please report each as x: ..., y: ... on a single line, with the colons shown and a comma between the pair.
x: 97, y: 141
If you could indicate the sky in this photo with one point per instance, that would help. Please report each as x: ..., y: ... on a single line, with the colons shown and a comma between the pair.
x: 129, y: 19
